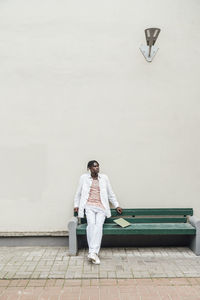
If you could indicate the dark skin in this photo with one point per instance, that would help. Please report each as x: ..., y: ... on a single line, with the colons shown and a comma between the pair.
x: 94, y: 173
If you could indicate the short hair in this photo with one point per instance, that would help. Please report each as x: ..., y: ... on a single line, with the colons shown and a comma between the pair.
x: 91, y: 163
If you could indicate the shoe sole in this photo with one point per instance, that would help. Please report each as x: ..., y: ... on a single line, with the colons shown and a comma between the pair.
x: 91, y: 260
x: 95, y: 263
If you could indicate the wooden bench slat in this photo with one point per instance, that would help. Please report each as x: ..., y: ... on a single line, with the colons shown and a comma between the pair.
x: 150, y: 220
x: 154, y: 211
x: 146, y: 220
x: 147, y: 228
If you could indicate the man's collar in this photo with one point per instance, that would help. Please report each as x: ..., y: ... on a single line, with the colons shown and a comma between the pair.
x: 99, y: 176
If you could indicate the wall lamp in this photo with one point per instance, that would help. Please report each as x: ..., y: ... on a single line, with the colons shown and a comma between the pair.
x: 150, y: 50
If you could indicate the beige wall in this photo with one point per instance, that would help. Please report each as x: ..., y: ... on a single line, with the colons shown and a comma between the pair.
x: 74, y: 86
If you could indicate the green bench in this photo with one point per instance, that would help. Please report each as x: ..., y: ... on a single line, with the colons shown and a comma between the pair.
x: 144, y: 222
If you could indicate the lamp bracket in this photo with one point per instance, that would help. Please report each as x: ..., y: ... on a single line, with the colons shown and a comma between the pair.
x: 150, y: 50
x: 145, y: 51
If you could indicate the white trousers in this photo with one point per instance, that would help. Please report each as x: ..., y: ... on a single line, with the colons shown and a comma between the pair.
x: 95, y: 219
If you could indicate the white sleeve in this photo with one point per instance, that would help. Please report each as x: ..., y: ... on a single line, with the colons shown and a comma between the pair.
x: 78, y: 193
x: 111, y: 196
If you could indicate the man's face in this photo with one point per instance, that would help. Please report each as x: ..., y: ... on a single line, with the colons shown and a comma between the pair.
x: 95, y: 168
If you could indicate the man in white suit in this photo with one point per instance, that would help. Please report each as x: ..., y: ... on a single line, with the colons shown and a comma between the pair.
x: 93, y: 194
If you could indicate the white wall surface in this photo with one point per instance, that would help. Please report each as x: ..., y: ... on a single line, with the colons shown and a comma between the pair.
x: 74, y: 86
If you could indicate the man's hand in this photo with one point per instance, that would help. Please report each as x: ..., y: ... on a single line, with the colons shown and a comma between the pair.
x: 119, y: 210
x: 76, y: 209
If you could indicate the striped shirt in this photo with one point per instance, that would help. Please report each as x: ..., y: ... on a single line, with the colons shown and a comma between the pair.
x: 94, y: 198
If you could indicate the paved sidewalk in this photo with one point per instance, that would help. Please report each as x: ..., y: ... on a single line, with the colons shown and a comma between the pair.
x: 102, y: 289
x: 116, y: 263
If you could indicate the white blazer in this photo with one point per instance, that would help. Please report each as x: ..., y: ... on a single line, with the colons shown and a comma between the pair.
x: 106, y: 193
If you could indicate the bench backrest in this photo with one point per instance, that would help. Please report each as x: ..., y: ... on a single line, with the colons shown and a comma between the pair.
x: 150, y: 215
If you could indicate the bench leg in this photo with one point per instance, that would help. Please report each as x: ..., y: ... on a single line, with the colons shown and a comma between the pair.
x: 195, y: 240
x: 73, y: 243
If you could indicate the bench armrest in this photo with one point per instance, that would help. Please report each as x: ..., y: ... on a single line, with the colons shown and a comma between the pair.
x: 195, y: 222
x: 73, y: 245
x: 72, y: 224
x: 195, y: 240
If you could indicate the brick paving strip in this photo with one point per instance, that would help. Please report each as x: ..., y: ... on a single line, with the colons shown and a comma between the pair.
x: 101, y: 289
x: 41, y: 273
x: 55, y: 262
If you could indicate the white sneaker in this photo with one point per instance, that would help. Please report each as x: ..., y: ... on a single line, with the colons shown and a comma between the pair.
x: 92, y: 257
x: 97, y: 260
